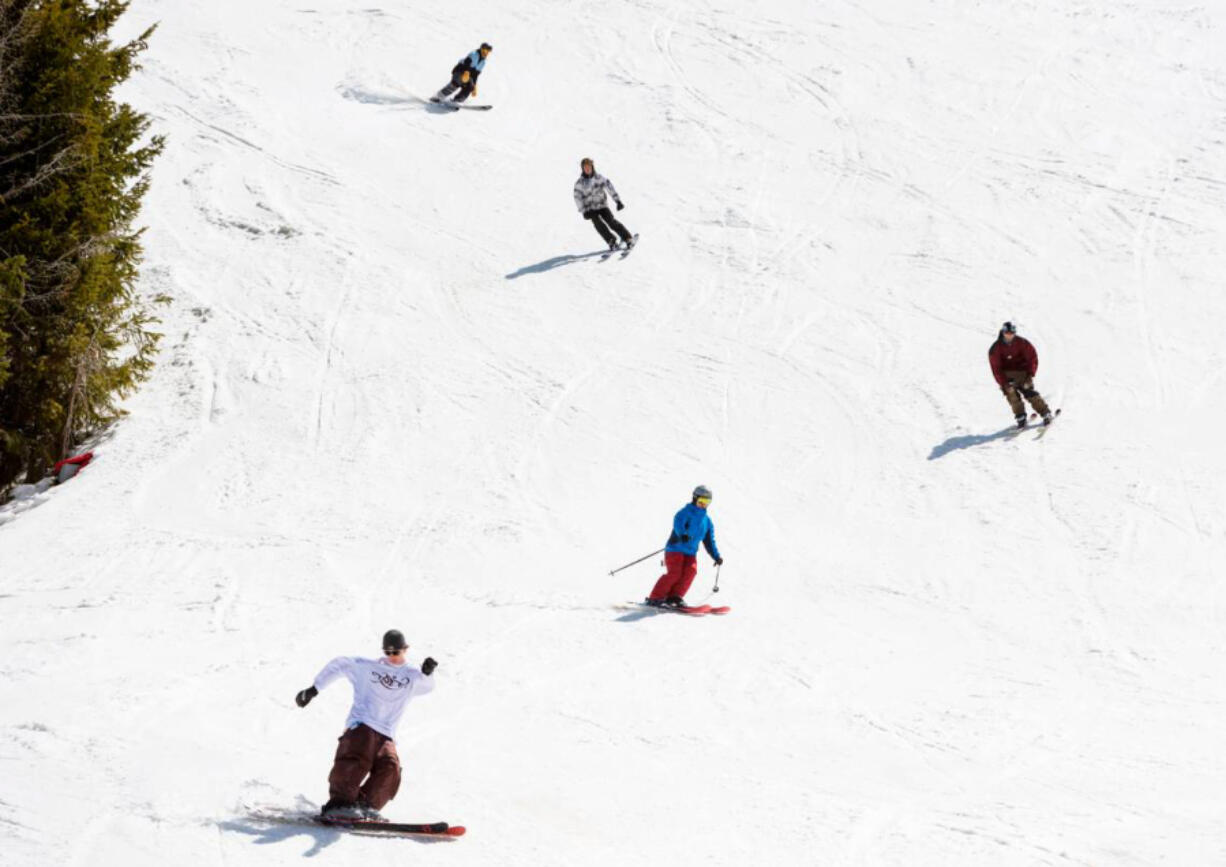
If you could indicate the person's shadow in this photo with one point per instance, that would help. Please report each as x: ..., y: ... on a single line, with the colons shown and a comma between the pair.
x: 373, y: 97
x: 556, y: 262
x: 967, y: 441
x: 269, y: 826
x: 266, y: 830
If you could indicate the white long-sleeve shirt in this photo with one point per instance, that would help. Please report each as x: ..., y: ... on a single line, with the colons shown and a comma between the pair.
x: 380, y: 690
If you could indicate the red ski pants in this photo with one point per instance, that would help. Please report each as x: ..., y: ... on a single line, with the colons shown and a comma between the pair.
x: 680, y: 570
x: 362, y: 751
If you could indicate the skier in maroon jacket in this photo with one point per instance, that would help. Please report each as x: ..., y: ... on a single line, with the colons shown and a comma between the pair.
x: 1014, y: 364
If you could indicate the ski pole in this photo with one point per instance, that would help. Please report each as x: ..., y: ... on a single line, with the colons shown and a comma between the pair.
x: 715, y: 589
x: 639, y: 560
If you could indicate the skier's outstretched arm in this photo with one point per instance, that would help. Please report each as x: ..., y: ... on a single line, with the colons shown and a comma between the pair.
x: 425, y: 683
x: 330, y: 672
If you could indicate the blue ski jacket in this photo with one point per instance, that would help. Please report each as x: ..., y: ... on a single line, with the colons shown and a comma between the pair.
x: 690, y: 526
x: 474, y: 63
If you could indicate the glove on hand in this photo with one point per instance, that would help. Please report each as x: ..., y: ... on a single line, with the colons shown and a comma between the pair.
x: 428, y: 665
x: 304, y: 697
x: 719, y: 561
x: 464, y: 76
x: 685, y: 537
x: 587, y: 215
x: 620, y: 205
x: 474, y: 90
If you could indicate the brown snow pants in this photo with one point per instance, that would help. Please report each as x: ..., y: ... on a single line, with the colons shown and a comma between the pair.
x: 1019, y: 385
x: 361, y: 751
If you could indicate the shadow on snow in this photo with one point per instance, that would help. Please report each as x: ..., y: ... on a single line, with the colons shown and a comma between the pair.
x: 954, y: 444
x: 373, y: 97
x: 555, y: 262
x: 278, y: 826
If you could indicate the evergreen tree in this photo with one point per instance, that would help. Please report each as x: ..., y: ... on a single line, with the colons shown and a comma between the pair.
x: 74, y: 335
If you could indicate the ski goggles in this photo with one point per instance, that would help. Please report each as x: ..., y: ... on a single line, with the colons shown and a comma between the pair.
x: 387, y: 651
x: 703, y: 501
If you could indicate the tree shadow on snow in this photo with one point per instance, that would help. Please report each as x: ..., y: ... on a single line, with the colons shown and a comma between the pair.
x: 954, y: 444
x: 555, y: 262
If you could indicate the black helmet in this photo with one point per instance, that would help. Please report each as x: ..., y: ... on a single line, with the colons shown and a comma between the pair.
x: 1008, y: 328
x: 393, y: 639
x: 485, y: 46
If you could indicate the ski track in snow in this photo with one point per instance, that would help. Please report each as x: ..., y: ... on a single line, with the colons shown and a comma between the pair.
x: 398, y: 388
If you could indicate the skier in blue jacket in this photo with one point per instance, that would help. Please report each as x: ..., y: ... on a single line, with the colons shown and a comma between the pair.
x: 464, y: 75
x: 691, y: 526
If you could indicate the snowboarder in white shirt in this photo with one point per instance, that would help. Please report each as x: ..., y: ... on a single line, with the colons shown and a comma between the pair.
x: 381, y: 689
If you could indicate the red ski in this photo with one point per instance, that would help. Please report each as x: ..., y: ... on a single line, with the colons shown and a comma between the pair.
x: 691, y: 610
x: 395, y: 829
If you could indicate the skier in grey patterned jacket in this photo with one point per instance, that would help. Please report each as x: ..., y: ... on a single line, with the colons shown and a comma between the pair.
x: 591, y: 201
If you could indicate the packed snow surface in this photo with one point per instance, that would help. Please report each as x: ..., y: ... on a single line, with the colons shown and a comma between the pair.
x: 398, y: 389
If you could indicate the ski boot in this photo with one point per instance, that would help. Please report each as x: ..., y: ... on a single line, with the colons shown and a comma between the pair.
x: 613, y: 243
x: 1021, y: 421
x: 654, y: 603
x: 337, y: 810
x: 369, y: 813
x: 1047, y: 418
x: 675, y: 602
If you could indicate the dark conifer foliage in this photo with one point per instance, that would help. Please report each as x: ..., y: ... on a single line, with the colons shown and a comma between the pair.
x: 75, y: 336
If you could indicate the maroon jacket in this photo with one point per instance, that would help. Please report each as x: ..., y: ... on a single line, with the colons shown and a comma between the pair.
x: 1016, y: 355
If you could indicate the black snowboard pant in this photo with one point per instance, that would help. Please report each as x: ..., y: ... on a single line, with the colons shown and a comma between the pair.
x: 604, y: 221
x: 465, y: 87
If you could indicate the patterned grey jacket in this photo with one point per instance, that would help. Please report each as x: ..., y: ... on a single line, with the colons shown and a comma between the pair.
x: 589, y: 192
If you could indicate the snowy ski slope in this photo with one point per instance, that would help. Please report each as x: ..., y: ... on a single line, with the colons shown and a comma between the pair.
x: 395, y: 391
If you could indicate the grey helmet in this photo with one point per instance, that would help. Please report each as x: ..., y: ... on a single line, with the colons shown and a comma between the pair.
x: 702, y: 491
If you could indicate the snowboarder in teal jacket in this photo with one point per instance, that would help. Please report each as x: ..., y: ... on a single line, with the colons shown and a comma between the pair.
x: 691, y: 526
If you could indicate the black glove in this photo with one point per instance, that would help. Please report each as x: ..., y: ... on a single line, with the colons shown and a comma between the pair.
x: 620, y: 205
x: 719, y: 561
x: 428, y: 666
x: 304, y: 698
x: 587, y: 215
x: 685, y: 537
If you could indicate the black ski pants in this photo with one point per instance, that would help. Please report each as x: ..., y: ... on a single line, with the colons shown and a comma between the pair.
x: 465, y: 88
x: 604, y: 221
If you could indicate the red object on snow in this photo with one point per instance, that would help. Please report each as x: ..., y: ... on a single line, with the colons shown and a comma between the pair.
x: 69, y: 467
